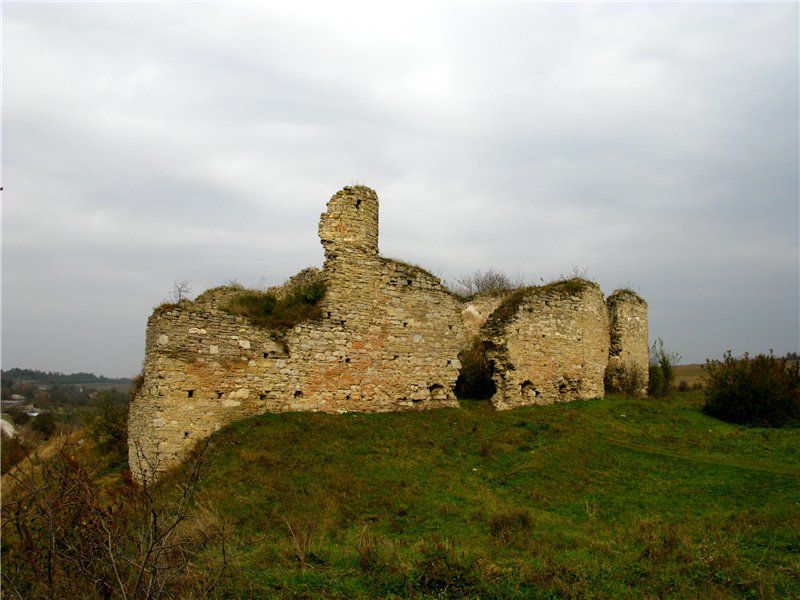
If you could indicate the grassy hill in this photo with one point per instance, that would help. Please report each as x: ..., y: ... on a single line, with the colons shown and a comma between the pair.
x: 606, y: 498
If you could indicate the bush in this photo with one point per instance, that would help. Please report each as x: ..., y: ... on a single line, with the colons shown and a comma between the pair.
x: 109, y: 427
x: 627, y: 379
x: 762, y: 390
x: 475, y: 377
x: 12, y: 452
x: 69, y: 532
x: 18, y: 416
x: 45, y: 424
x: 480, y: 282
x: 661, y: 370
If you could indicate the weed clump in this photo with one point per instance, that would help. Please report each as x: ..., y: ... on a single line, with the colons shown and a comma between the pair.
x: 284, y: 308
x: 512, y: 528
x: 661, y: 370
x: 762, y: 390
x: 445, y: 571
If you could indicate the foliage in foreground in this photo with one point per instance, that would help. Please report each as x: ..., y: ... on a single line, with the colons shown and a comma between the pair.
x: 762, y: 390
x: 607, y: 498
x: 69, y: 532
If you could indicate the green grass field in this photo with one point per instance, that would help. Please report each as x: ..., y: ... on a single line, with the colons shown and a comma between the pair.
x: 606, y: 498
x: 691, y: 374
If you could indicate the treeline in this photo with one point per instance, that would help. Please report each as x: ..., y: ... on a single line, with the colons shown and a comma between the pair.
x: 58, y: 377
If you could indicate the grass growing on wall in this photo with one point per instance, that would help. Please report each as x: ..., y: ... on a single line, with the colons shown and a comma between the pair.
x: 607, y: 498
x: 297, y: 304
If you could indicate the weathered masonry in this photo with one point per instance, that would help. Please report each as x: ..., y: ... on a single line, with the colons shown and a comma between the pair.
x: 385, y: 336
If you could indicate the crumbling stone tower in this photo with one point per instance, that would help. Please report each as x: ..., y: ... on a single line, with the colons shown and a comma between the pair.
x: 628, y: 343
x: 388, y: 340
x: 548, y: 344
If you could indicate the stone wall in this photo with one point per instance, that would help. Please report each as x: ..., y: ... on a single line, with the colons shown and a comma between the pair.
x: 477, y: 310
x: 388, y: 340
x: 628, y: 344
x: 548, y: 344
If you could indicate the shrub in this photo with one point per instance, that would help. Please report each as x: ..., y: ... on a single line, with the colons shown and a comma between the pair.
x: 45, y: 424
x: 661, y: 370
x: 763, y: 390
x: 109, y: 427
x: 18, y: 416
x: 70, y: 533
x: 683, y: 386
x: 480, y: 282
x: 475, y: 377
x: 627, y: 379
x: 12, y: 452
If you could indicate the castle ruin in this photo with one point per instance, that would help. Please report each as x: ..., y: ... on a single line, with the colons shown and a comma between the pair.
x: 386, y: 337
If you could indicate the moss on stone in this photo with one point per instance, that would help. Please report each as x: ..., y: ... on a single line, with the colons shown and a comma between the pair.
x: 509, y: 306
x: 411, y: 268
x: 297, y: 301
x: 626, y: 294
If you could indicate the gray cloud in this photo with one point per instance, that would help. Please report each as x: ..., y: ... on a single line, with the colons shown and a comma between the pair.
x: 655, y: 145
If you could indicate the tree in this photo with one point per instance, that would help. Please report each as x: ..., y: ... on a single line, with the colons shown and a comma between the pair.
x: 44, y: 423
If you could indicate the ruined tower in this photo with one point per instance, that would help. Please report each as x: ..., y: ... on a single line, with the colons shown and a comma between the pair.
x: 385, y: 336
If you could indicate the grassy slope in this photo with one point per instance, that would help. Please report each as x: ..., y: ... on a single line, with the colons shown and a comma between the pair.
x: 614, y: 497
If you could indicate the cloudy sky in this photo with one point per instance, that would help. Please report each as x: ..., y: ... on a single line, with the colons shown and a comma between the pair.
x: 655, y: 146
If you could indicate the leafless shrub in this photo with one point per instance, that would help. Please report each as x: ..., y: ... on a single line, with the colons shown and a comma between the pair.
x: 181, y: 290
x: 626, y: 378
x: 490, y: 281
x: 66, y: 535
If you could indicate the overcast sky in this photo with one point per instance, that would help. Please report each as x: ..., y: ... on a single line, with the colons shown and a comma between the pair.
x: 655, y: 146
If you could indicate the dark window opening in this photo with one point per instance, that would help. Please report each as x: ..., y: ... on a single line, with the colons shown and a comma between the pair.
x: 347, y: 359
x: 262, y: 396
x: 185, y: 434
x: 298, y: 394
x: 408, y: 281
x: 190, y: 394
x: 358, y: 203
x: 475, y: 376
x: 219, y: 394
x: 438, y: 392
x: 527, y: 390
